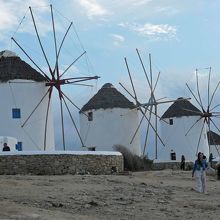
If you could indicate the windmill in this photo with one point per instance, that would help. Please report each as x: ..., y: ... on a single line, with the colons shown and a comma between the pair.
x: 208, y: 110
x: 55, y: 75
x: 149, y: 110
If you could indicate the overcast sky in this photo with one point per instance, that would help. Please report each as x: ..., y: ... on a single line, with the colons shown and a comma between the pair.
x: 180, y: 35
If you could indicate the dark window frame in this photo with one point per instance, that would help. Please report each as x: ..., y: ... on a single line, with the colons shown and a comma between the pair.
x: 91, y: 149
x: 172, y: 156
x: 16, y: 113
x: 171, y: 121
x: 19, y: 146
x: 90, y: 116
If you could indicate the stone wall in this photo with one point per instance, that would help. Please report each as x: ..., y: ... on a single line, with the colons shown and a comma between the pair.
x: 171, y: 165
x: 56, y: 164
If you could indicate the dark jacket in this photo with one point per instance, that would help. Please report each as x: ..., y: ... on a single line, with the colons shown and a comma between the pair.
x: 6, y: 148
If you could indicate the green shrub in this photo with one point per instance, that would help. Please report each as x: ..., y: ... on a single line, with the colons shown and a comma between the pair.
x: 133, y: 162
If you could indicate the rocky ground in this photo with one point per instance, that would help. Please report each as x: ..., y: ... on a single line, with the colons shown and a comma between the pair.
x: 163, y: 194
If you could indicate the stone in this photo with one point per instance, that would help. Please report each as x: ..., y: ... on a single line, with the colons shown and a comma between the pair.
x: 53, y: 164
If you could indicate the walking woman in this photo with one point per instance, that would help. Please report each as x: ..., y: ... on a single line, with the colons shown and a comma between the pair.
x: 199, y: 168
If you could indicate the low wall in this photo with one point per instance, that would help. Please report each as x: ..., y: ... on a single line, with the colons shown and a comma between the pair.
x: 171, y: 165
x: 56, y: 163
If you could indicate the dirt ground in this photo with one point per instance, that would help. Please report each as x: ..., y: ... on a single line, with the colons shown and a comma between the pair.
x: 163, y: 194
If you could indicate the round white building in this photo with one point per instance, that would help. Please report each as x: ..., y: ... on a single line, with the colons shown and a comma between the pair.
x: 179, y: 139
x: 112, y: 120
x: 22, y: 89
x: 214, y: 143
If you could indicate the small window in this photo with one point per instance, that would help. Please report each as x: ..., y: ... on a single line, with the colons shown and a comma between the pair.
x: 173, y: 156
x: 171, y: 121
x: 91, y: 148
x: 16, y: 113
x: 18, y: 146
x: 90, y: 116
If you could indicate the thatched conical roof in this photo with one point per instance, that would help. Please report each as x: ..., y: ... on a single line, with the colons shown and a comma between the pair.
x: 181, y: 107
x: 12, y: 67
x: 108, y: 97
x: 214, y: 139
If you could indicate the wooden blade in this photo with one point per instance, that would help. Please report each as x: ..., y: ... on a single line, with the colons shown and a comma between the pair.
x: 132, y: 84
x: 158, y: 76
x: 24, y: 82
x: 161, y: 98
x: 163, y: 102
x: 64, y: 37
x: 55, y: 40
x: 148, y: 128
x: 189, y: 110
x: 137, y: 129
x: 152, y: 127
x: 128, y: 92
x: 46, y: 120
x: 198, y: 92
x: 62, y: 123
x: 214, y: 124
x: 215, y: 113
x: 194, y: 96
x: 66, y: 81
x: 81, y: 84
x: 44, y: 74
x: 200, y: 137
x: 143, y: 105
x: 213, y: 94
x: 72, y: 103
x: 158, y: 116
x: 156, y: 130
x: 74, y: 124
x: 72, y: 63
x: 39, y: 40
x: 151, y: 76
x: 58, y: 54
x: 215, y: 107
x: 209, y: 87
x: 193, y: 126
x: 144, y: 69
x: 35, y: 108
x: 209, y: 132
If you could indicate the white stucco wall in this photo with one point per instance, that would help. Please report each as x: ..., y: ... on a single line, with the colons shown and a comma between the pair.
x: 111, y: 127
x: 10, y: 141
x: 176, y: 140
x: 25, y: 96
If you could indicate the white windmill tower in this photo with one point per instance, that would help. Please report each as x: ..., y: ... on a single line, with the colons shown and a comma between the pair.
x: 177, y: 119
x: 188, y: 133
x: 214, y: 143
x: 149, y: 109
x: 51, y: 79
x: 112, y: 120
x: 21, y: 87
